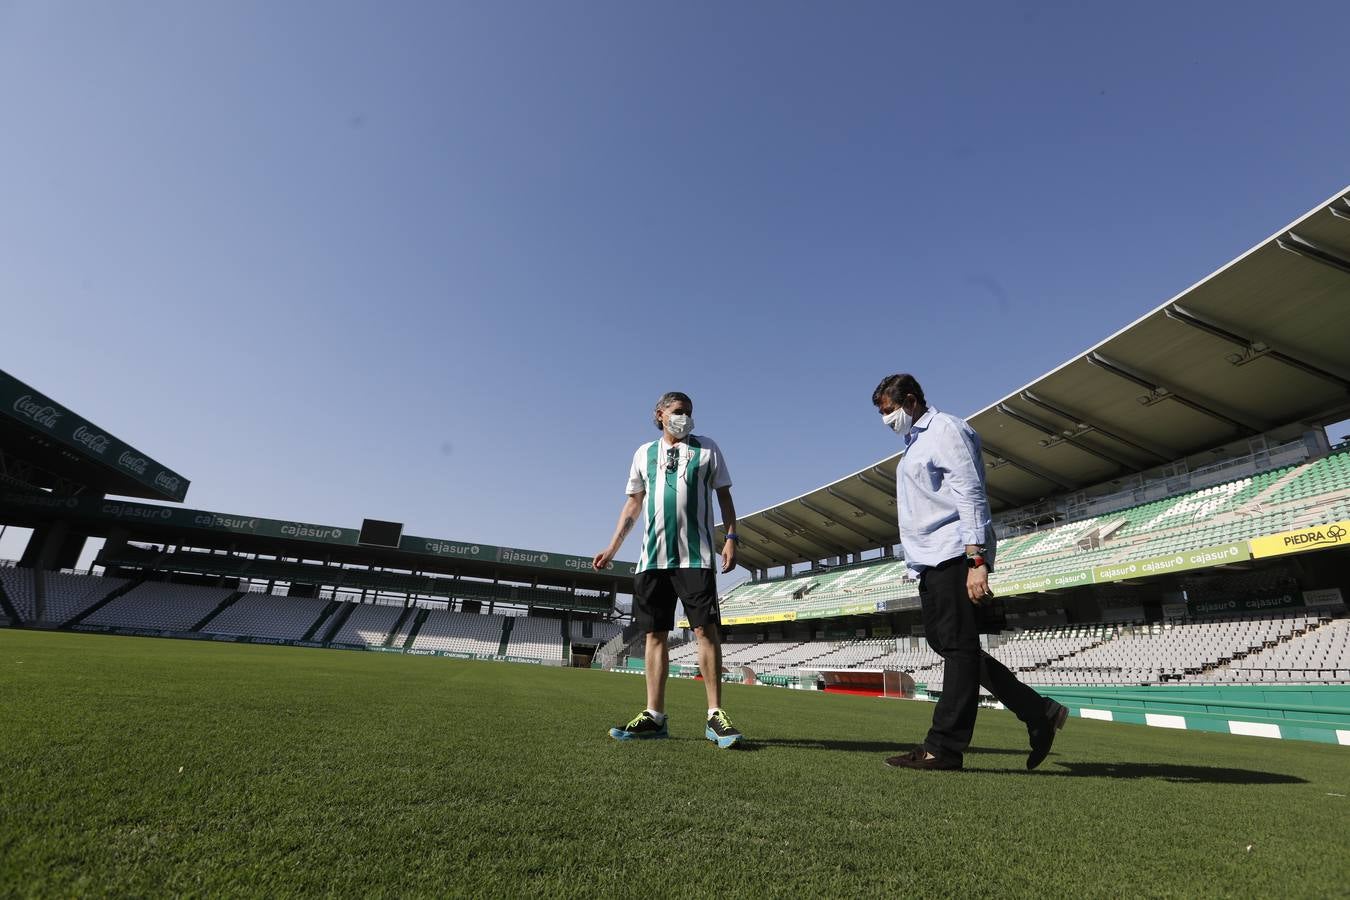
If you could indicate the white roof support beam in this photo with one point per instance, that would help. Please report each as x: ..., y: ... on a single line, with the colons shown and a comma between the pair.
x: 1164, y: 392
x: 1162, y: 454
x: 848, y: 526
x: 1314, y: 251
x: 1061, y: 436
x: 1251, y: 345
x: 874, y: 511
x: 1043, y: 474
x: 886, y: 491
x: 799, y: 554
x: 811, y: 534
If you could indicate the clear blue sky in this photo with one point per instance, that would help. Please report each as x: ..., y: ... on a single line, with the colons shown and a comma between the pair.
x: 434, y: 262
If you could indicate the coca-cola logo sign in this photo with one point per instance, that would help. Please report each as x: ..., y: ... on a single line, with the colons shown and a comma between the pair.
x: 96, y: 442
x: 135, y: 463
x: 40, y: 413
x: 166, y: 481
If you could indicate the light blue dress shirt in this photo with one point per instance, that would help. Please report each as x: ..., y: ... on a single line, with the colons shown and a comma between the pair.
x: 939, y: 486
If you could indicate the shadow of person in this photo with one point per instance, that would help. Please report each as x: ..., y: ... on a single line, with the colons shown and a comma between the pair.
x: 888, y: 748
x: 1177, y: 774
x: 1173, y: 772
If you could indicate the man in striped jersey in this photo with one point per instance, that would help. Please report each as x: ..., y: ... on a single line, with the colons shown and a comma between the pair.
x: 673, y: 479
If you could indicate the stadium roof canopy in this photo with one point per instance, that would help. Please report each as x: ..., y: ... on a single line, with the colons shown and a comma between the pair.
x: 121, y: 520
x: 1261, y: 346
x: 61, y: 451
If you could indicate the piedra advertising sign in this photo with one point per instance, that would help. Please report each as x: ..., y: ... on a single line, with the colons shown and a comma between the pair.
x: 1301, y: 540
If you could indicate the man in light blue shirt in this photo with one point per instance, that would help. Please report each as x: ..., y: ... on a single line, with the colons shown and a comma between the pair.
x: 949, y: 542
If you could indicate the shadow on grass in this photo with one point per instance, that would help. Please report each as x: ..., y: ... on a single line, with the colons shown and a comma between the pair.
x: 1162, y: 771
x: 885, y: 748
x: 1172, y: 772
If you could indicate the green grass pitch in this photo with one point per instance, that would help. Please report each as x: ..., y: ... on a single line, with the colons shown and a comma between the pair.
x: 134, y: 766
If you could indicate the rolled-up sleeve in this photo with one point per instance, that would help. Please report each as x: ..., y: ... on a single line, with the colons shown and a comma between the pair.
x: 961, y: 456
x: 637, y: 475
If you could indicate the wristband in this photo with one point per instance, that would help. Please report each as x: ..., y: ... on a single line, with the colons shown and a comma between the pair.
x: 733, y: 536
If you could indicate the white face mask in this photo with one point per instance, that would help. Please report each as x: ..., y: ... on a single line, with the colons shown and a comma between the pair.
x: 679, y: 425
x: 898, y: 420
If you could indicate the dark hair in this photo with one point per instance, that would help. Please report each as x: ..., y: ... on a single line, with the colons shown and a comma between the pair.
x: 667, y: 398
x: 895, y: 387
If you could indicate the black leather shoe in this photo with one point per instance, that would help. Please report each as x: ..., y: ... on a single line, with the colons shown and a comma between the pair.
x: 1043, y: 738
x: 918, y: 758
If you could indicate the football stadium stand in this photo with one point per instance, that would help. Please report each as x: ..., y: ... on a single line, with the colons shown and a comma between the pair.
x: 267, y: 616
x: 157, y: 606
x: 68, y: 594
x: 459, y: 632
x: 592, y: 632
x: 1318, y: 655
x: 1211, y: 517
x: 1152, y: 654
x: 1281, y: 646
x: 532, y: 638
x: 368, y: 625
x: 96, y: 603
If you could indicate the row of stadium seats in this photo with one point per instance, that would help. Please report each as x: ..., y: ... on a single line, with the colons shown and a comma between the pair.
x: 1317, y: 655
x: 67, y: 595
x: 1155, y: 653
x: 267, y: 615
x: 460, y: 632
x: 1270, y: 647
x: 591, y: 632
x: 160, y: 606
x: 1026, y: 650
x: 368, y: 625
x: 1325, y: 476
x: 535, y: 638
x: 167, y: 607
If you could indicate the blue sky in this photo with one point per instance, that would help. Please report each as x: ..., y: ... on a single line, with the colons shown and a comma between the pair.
x: 434, y: 262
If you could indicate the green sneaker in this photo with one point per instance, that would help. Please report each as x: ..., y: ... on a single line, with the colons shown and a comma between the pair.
x: 642, y: 727
x: 721, y: 732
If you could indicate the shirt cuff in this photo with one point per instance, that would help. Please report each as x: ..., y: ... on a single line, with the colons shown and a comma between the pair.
x: 972, y: 537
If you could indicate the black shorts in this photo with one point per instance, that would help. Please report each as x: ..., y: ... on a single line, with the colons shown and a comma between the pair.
x: 655, y: 592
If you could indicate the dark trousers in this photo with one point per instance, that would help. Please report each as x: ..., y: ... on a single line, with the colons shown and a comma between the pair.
x: 949, y: 624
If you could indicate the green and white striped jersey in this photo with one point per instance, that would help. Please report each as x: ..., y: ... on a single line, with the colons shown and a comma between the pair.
x: 679, y: 480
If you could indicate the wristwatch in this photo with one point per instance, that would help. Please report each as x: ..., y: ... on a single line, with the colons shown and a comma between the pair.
x: 976, y: 559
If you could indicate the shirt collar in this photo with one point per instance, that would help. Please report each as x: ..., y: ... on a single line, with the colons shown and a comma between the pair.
x: 921, y: 424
